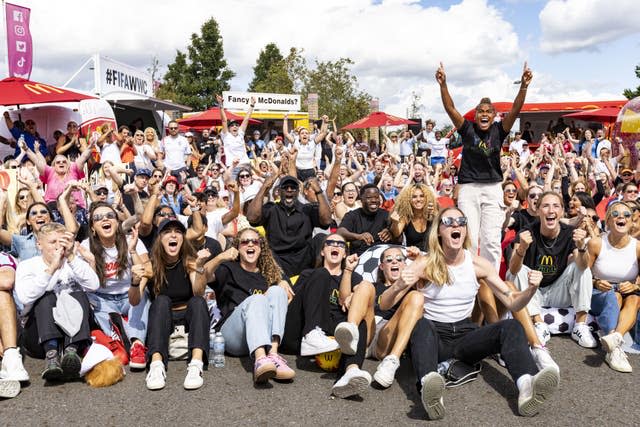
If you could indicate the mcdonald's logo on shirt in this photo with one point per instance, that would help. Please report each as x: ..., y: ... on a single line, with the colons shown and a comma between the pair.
x: 546, y: 260
x: 40, y: 88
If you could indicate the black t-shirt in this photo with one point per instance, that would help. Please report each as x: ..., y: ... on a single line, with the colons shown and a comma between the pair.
x: 233, y: 285
x: 177, y: 286
x: 386, y: 314
x: 549, y: 255
x: 521, y: 219
x: 150, y: 238
x: 358, y: 221
x: 290, y: 229
x: 334, y: 292
x: 481, y: 153
x: 128, y: 200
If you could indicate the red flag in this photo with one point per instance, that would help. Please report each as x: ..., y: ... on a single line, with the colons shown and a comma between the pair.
x: 19, y: 43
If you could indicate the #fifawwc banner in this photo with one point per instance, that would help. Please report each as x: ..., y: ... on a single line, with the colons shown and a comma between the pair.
x: 19, y: 44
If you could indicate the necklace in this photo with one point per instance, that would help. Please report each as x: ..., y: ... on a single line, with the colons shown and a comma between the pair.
x: 172, y: 266
x: 547, y: 245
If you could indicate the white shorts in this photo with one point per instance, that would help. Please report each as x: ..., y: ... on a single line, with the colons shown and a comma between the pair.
x: 380, y: 323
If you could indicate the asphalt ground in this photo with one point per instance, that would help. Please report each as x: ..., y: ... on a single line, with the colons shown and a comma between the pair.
x: 590, y: 393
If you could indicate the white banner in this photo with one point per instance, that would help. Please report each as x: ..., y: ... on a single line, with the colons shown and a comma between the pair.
x: 118, y: 77
x: 264, y: 101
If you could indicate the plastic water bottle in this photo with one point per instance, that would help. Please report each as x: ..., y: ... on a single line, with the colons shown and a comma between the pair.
x: 21, y: 140
x: 218, y: 350
x: 212, y: 338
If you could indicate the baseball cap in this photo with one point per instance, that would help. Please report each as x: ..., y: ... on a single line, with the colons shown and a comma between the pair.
x: 169, y: 179
x: 171, y: 222
x: 188, y: 134
x: 626, y: 170
x: 233, y: 123
x: 143, y: 171
x: 288, y: 179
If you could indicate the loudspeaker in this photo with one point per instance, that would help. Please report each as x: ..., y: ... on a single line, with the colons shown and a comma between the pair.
x: 416, y: 128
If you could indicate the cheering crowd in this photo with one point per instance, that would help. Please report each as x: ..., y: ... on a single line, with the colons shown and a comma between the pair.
x: 113, y: 241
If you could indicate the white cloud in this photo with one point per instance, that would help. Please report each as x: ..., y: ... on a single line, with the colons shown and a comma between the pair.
x: 571, y: 25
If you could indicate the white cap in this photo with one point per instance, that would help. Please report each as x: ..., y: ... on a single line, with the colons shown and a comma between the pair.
x: 188, y: 134
x: 97, y: 353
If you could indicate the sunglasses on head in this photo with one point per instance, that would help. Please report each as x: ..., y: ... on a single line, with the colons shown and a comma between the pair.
x: 106, y: 215
x: 389, y: 258
x: 336, y: 243
x: 449, y: 221
x: 246, y: 242
x: 625, y: 214
x: 40, y: 212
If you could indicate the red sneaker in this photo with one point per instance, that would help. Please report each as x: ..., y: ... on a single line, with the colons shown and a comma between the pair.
x: 115, y: 346
x: 138, y: 356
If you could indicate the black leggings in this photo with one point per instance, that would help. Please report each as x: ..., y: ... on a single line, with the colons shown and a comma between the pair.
x: 433, y: 342
x: 161, y: 324
x: 309, y: 308
x: 41, y: 326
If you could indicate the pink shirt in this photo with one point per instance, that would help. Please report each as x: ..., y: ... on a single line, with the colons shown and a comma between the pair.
x: 55, y: 185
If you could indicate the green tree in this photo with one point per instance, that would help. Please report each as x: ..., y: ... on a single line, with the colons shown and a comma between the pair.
x: 630, y: 94
x: 269, y: 73
x: 195, y: 78
x: 337, y: 89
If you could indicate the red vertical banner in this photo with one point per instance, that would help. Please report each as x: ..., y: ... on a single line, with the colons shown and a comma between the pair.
x: 19, y: 43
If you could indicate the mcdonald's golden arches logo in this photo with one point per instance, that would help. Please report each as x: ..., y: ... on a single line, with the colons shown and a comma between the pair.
x: 40, y: 88
x: 546, y: 260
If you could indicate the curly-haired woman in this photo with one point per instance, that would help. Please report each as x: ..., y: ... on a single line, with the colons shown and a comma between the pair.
x: 413, y: 214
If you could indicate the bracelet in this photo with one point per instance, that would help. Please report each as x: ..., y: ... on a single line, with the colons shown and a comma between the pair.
x: 199, y: 270
x: 135, y: 286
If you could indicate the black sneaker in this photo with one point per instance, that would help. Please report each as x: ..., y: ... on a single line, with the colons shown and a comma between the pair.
x: 71, y: 364
x: 52, y: 368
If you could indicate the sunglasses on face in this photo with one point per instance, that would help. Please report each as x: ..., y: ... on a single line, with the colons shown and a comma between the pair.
x: 23, y: 197
x: 40, y: 212
x: 631, y: 191
x: 106, y: 215
x: 246, y: 242
x: 13, y: 166
x: 165, y: 214
x: 534, y: 195
x: 336, y: 243
x: 389, y: 259
x: 508, y: 190
x: 337, y: 193
x: 102, y: 192
x: 243, y: 176
x: 625, y: 214
x: 627, y: 174
x: 449, y: 221
x: 157, y: 176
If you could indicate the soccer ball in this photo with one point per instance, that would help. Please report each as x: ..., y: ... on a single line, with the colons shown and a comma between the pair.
x: 562, y: 320
x: 329, y: 361
x: 368, y: 263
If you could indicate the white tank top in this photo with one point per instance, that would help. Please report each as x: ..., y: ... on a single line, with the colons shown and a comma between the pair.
x: 616, y: 265
x: 452, y: 303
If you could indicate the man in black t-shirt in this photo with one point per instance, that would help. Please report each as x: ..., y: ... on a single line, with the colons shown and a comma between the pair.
x: 366, y: 226
x: 559, y: 251
x: 289, y: 223
x: 480, y: 194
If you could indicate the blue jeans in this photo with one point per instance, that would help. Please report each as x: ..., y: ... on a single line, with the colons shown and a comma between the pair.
x: 604, y: 305
x: 136, y: 324
x: 255, y: 321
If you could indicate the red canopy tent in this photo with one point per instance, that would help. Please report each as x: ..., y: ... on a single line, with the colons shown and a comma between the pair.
x: 602, y: 115
x: 549, y: 107
x: 209, y: 118
x: 378, y: 119
x: 17, y: 91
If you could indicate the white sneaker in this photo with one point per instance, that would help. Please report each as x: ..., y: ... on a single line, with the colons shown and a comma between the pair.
x: 543, y: 359
x: 12, y: 367
x: 582, y: 335
x: 347, y: 335
x: 542, y: 331
x: 386, y: 371
x: 316, y: 342
x: 352, y: 383
x: 617, y: 360
x: 193, y: 380
x: 431, y: 394
x: 536, y: 390
x: 9, y: 388
x: 156, y: 376
x: 611, y: 341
